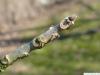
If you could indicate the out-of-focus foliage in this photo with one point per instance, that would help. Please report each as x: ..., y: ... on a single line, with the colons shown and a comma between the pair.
x: 75, y: 52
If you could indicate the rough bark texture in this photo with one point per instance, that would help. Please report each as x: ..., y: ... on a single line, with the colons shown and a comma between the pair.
x: 37, y: 43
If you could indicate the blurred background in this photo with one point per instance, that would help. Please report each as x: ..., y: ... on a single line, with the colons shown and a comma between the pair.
x: 75, y: 52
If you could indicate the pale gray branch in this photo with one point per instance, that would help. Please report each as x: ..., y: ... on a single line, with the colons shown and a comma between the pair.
x: 37, y: 42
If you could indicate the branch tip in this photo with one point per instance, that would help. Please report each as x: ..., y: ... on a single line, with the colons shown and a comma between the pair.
x: 67, y: 22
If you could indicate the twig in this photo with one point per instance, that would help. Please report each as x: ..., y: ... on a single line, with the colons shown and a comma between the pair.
x: 37, y: 43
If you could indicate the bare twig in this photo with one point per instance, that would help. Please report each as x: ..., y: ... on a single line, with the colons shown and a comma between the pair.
x: 37, y: 43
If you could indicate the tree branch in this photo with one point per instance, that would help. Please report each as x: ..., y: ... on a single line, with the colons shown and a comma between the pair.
x: 37, y: 43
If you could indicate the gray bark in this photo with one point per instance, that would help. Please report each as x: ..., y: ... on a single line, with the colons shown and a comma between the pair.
x: 37, y: 42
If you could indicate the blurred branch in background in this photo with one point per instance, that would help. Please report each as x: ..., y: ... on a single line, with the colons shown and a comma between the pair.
x: 78, y: 34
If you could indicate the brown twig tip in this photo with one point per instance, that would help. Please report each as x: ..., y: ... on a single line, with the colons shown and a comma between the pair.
x: 67, y: 22
x: 72, y: 18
